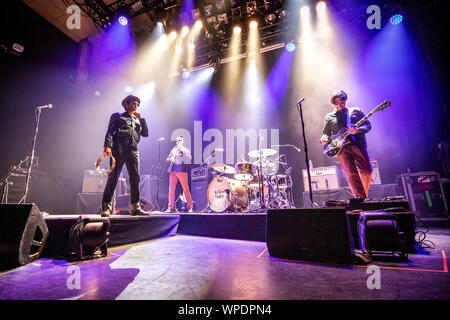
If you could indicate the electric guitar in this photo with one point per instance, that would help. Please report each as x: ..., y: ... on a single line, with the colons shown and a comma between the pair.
x: 342, y: 138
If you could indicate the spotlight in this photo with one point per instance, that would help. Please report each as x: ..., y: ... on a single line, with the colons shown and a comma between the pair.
x: 270, y: 18
x: 173, y: 35
x: 185, y: 74
x: 304, y: 10
x: 290, y: 46
x: 253, y: 25
x: 237, y: 30
x: 185, y: 30
x: 321, y: 5
x: 128, y: 89
x: 123, y: 20
x: 191, y: 45
x: 198, y: 24
x: 396, y: 19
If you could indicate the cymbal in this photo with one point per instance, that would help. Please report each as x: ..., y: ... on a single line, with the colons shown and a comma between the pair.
x: 264, y: 164
x: 264, y: 152
x: 223, y: 168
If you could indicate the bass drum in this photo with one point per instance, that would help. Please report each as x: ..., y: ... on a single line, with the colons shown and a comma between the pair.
x: 224, y: 194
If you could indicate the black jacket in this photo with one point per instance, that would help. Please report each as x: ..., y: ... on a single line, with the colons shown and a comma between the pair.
x: 336, y: 120
x: 125, y: 129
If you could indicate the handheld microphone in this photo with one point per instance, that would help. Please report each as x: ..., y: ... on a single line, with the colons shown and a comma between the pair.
x: 48, y: 106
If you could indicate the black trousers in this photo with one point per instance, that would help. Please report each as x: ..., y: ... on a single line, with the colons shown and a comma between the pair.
x: 130, y: 157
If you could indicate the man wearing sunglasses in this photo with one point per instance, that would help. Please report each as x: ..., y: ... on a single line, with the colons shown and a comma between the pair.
x: 121, y: 141
x: 354, y: 158
x: 177, y: 156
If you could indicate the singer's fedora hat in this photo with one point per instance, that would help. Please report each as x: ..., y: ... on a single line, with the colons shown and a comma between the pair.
x: 130, y: 98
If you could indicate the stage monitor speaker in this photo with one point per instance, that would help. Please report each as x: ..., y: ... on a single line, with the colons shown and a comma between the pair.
x: 23, y: 233
x: 310, y: 234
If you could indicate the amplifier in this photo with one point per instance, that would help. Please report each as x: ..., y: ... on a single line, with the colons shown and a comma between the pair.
x: 322, y: 178
x: 201, y: 177
x: 425, y: 194
x: 376, y: 178
x: 95, y: 182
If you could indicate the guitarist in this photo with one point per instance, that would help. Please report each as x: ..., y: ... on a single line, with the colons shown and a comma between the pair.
x: 354, y: 155
x: 178, y: 174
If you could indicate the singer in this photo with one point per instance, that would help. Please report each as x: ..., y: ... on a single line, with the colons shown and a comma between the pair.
x: 121, y: 141
x: 178, y: 173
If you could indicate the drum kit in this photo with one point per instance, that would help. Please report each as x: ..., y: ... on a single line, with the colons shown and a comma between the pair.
x: 251, y: 186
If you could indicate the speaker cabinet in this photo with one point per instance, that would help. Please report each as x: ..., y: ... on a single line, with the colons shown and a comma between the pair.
x: 201, y: 177
x: 23, y: 233
x: 310, y: 234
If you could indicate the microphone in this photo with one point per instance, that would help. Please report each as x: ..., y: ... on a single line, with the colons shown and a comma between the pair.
x: 301, y: 100
x: 161, y: 139
x: 48, y: 106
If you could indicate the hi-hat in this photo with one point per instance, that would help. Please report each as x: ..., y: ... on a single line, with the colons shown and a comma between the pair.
x: 264, y: 153
x: 223, y: 168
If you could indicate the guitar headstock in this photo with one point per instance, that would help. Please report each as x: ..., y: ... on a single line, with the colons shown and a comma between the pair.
x: 385, y: 104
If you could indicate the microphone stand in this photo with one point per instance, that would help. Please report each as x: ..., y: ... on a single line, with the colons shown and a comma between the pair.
x: 159, y: 174
x: 24, y: 198
x: 299, y: 109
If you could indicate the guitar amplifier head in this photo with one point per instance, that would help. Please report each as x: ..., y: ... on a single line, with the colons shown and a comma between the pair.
x: 322, y: 178
x: 95, y: 182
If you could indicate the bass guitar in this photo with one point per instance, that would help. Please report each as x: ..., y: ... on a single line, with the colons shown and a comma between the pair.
x: 343, y: 137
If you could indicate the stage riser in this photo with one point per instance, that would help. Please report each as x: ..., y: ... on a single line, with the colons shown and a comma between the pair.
x: 233, y: 226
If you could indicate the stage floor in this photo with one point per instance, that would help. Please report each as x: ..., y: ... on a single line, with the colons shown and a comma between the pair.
x: 186, y: 267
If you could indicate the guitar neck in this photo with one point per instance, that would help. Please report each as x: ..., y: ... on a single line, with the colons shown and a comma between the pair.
x: 367, y: 116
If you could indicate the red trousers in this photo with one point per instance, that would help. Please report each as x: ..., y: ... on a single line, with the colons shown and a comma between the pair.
x: 182, y: 177
x: 356, y: 165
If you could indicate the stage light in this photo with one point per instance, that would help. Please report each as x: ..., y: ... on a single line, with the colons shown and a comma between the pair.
x: 185, y: 30
x: 253, y: 25
x: 304, y: 10
x: 290, y: 47
x: 173, y: 35
x: 191, y: 45
x: 237, y: 30
x: 396, y: 19
x: 179, y: 48
x: 321, y: 5
x: 198, y: 24
x: 128, y: 89
x: 185, y: 74
x: 123, y: 20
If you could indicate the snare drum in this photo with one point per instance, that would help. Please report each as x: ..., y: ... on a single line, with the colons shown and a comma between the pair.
x: 224, y: 193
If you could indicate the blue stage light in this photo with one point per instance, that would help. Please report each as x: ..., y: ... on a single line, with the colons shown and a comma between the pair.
x: 123, y: 20
x: 396, y: 19
x: 290, y: 47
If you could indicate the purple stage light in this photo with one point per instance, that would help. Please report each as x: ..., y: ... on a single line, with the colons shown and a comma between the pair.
x: 123, y: 20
